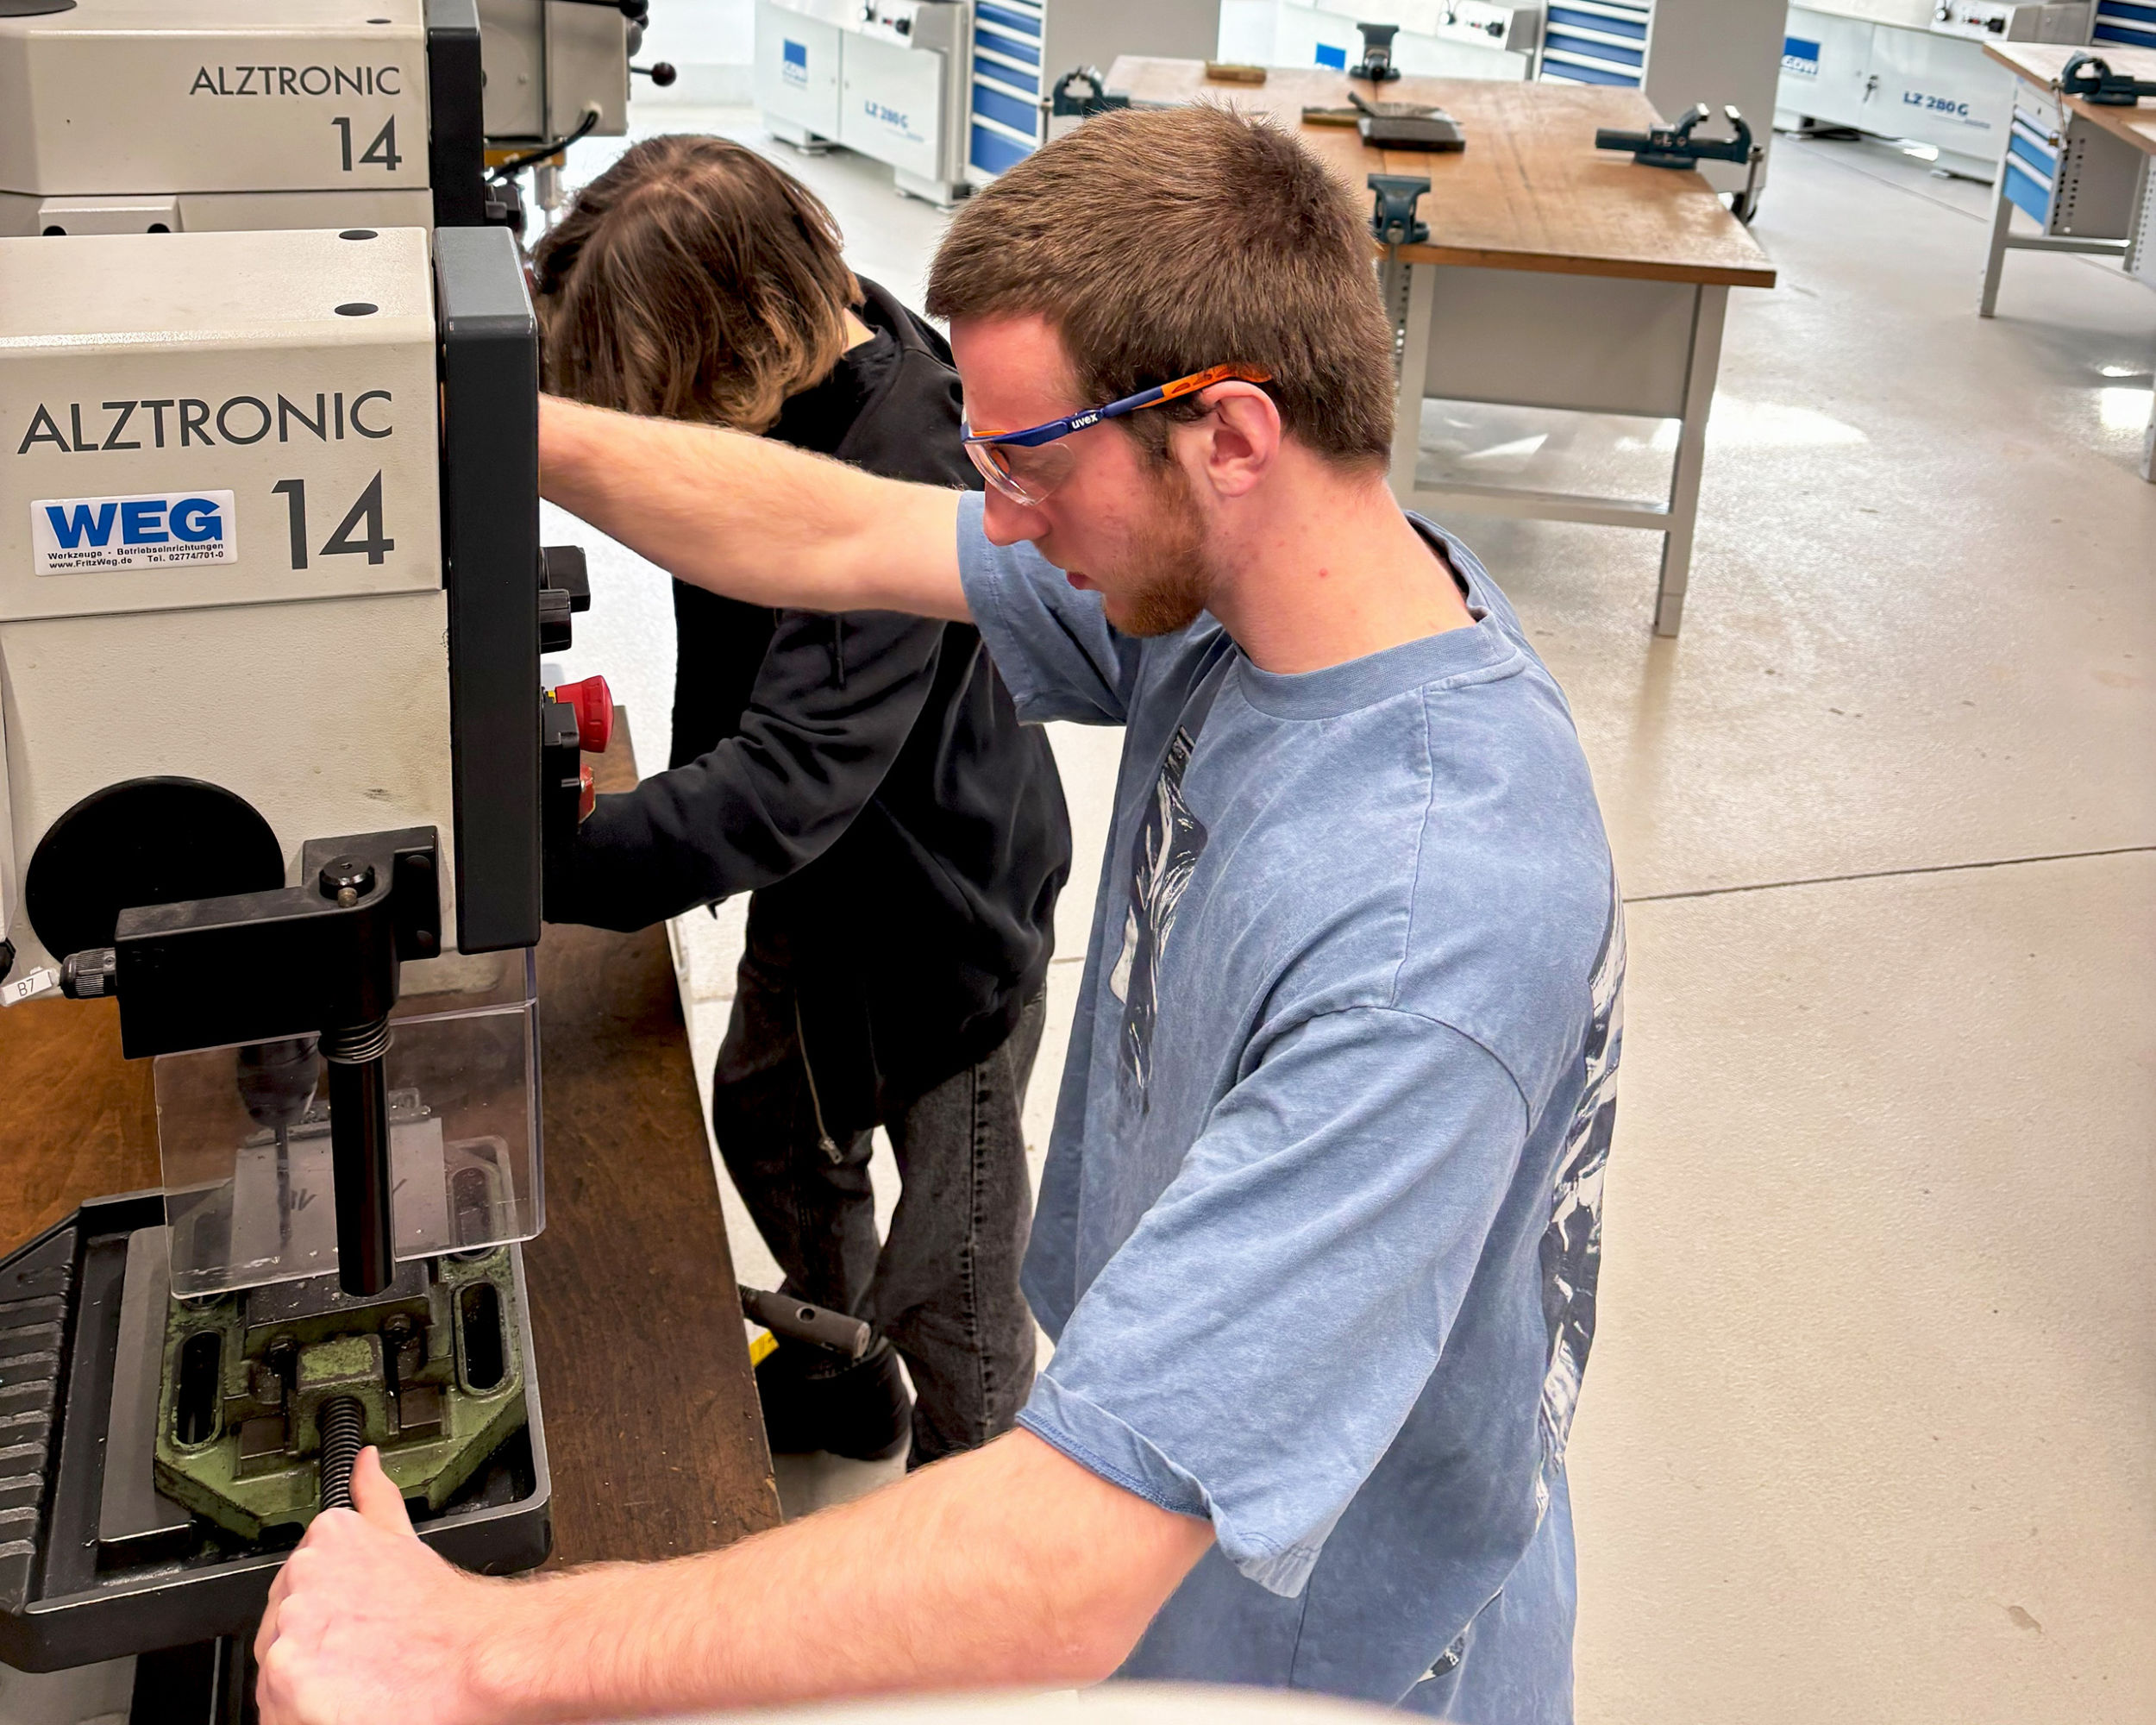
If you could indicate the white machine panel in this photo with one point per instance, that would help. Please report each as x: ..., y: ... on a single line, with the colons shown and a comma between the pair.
x: 514, y: 102
x: 891, y: 105
x: 219, y: 212
x: 1826, y: 69
x: 303, y: 387
x: 1912, y: 15
x: 339, y: 103
x: 23, y: 215
x: 546, y: 62
x: 588, y: 68
x: 329, y: 718
x: 2005, y: 21
x: 220, y: 534
x: 1941, y: 90
x: 883, y: 76
x: 796, y: 67
x: 1883, y: 68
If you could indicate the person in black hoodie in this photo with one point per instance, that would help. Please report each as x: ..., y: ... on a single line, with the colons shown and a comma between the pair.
x: 864, y: 776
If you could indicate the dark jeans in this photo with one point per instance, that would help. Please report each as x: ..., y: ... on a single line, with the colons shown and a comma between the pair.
x: 944, y: 1286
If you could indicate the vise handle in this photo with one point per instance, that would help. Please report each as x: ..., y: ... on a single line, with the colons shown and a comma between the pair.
x: 800, y: 1321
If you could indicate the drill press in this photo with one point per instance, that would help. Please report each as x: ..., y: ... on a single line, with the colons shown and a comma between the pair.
x: 132, y: 116
x: 279, y: 779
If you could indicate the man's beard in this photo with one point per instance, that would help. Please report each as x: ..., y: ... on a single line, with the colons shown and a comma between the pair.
x: 1170, y: 580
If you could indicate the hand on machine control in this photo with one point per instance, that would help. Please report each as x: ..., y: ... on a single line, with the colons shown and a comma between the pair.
x: 364, y: 1614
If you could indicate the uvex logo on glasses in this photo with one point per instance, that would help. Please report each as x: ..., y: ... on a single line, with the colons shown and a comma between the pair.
x: 1025, y: 466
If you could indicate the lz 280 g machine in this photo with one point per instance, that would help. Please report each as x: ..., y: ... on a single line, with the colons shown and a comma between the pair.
x: 278, y: 775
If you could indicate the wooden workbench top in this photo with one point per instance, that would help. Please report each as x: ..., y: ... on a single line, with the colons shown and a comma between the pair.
x: 1529, y: 192
x: 653, y: 1435
x: 2042, y: 63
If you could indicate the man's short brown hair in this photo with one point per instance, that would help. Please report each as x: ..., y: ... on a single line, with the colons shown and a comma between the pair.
x: 692, y: 280
x: 1160, y: 242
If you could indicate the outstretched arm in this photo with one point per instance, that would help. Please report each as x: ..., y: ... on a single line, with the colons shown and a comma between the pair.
x: 1008, y: 1565
x: 754, y: 519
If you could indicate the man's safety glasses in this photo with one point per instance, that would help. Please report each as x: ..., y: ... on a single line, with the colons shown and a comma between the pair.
x: 1026, y: 466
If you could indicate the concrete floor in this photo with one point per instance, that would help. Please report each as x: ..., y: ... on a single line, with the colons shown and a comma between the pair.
x: 1871, y: 1429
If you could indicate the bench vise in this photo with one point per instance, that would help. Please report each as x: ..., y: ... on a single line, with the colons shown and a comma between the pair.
x: 2090, y: 78
x: 1393, y: 219
x: 1675, y: 147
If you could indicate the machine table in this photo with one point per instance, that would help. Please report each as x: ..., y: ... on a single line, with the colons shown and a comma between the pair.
x: 2099, y: 194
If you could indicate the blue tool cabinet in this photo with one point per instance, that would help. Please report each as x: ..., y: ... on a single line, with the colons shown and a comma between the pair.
x: 1596, y: 41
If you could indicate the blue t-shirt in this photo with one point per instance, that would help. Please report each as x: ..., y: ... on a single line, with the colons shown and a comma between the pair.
x: 1318, y: 1235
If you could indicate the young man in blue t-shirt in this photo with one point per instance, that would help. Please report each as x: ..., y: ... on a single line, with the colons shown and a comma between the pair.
x: 1319, y: 1234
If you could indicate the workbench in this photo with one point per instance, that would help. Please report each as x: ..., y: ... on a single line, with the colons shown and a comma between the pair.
x: 1555, y: 275
x: 2080, y: 169
x: 654, y: 1436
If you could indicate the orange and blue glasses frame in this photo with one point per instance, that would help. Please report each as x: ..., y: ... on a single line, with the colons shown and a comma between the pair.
x: 1000, y: 454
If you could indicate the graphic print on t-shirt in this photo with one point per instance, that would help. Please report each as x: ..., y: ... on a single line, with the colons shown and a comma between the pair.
x: 1572, y: 1249
x: 1164, y: 855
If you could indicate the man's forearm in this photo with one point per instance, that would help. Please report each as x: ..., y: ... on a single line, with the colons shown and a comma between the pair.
x: 754, y: 519
x: 1009, y: 1566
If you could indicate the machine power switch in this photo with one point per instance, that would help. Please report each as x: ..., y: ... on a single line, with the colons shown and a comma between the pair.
x: 593, y: 703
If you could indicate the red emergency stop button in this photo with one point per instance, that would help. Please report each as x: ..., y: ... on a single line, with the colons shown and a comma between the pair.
x: 594, y: 705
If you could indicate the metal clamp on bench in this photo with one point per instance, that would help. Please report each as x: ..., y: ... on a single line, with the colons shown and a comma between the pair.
x: 1083, y: 92
x: 1393, y: 219
x: 1376, y: 64
x: 2090, y: 78
x: 1675, y: 147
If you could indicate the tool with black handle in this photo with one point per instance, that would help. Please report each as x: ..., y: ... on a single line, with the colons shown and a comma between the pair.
x: 797, y: 1321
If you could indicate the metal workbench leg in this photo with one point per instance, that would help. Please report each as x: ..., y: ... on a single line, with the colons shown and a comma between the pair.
x: 1995, y: 259
x: 1691, y: 452
x: 1415, y: 371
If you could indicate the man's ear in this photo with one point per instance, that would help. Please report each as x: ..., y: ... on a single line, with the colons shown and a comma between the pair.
x: 1239, y: 440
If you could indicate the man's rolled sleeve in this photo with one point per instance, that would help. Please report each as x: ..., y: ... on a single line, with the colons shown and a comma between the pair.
x: 1054, y: 646
x: 1251, y: 1350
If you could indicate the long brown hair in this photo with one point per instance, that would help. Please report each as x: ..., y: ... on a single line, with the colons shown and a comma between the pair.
x: 692, y: 280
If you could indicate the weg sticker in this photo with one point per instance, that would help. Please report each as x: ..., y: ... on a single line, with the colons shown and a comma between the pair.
x: 74, y: 535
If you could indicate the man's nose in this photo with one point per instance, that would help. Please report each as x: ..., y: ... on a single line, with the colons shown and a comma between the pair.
x: 1007, y: 521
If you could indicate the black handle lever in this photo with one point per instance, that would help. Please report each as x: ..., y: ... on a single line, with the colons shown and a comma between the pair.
x: 800, y: 1321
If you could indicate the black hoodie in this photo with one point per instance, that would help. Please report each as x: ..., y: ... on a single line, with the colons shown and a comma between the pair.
x: 864, y: 773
